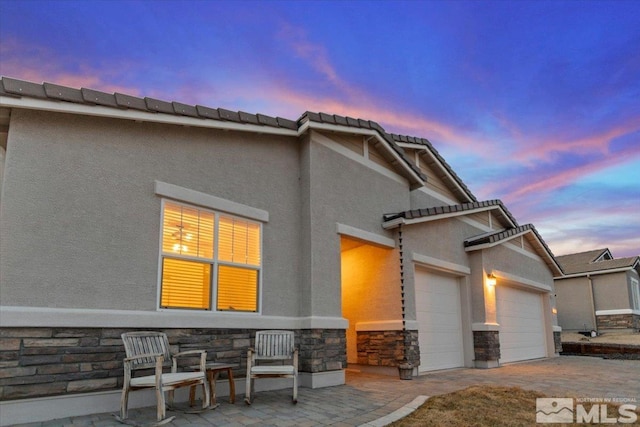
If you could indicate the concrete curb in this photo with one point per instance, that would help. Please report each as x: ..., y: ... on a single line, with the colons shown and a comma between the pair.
x: 397, y: 414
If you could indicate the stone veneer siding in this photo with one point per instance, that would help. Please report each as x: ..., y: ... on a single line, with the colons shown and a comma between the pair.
x: 387, y: 348
x: 37, y: 362
x: 557, y: 341
x: 486, y: 345
x: 618, y: 321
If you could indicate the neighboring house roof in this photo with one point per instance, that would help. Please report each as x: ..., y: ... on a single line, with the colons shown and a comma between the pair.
x: 595, y: 261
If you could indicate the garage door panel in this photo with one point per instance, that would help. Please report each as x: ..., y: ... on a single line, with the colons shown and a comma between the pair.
x: 439, y: 319
x: 522, y: 328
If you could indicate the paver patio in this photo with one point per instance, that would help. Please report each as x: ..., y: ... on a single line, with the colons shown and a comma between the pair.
x: 367, y: 397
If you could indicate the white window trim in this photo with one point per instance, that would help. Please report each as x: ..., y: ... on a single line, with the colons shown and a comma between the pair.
x: 205, y: 200
x: 215, y: 262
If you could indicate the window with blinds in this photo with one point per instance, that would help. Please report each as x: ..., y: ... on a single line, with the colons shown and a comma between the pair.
x: 205, y: 253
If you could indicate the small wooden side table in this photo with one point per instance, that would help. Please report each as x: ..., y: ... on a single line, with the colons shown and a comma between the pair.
x: 213, y: 370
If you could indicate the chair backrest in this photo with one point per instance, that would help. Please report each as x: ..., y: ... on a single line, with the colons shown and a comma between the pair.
x: 274, y: 345
x: 146, y: 342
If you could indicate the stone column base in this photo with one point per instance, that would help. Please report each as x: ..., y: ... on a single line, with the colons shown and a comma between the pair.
x: 486, y: 346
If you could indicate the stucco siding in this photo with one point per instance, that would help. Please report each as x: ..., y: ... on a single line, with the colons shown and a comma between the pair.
x: 611, y: 291
x: 346, y: 192
x: 80, y: 220
x: 575, y: 310
x: 505, y: 258
x: 421, y: 198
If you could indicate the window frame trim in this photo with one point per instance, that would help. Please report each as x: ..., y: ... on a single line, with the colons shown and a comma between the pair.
x: 214, y: 262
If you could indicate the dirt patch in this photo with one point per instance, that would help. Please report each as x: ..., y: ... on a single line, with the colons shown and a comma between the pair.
x: 487, y: 406
x: 630, y: 338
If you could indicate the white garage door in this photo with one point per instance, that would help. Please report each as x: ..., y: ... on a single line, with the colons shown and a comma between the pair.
x: 439, y: 319
x: 522, y: 331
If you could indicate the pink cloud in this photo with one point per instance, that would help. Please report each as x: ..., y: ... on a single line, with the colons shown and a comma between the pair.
x: 598, y: 142
x: 38, y: 64
x: 527, y: 184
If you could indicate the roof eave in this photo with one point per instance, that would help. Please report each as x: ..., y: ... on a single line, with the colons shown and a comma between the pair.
x: 427, y: 218
x: 548, y: 256
x: 51, y: 105
x: 596, y: 272
x: 413, y: 177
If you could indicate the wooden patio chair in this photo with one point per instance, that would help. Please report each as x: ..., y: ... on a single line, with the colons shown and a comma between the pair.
x: 150, y: 350
x: 275, y: 348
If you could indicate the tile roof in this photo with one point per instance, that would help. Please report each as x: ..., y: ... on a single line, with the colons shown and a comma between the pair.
x: 21, y: 88
x: 502, y: 235
x: 497, y: 236
x: 449, y: 209
x: 364, y: 124
x: 436, y: 154
x: 585, y: 262
x: 581, y: 258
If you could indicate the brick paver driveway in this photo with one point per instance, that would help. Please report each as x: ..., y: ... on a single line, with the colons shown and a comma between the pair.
x: 367, y: 397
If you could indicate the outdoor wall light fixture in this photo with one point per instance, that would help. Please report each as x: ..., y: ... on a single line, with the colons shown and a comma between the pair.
x: 491, y: 280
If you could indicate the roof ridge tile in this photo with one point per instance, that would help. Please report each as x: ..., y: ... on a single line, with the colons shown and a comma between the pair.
x: 185, y: 109
x: 97, y: 97
x: 129, y: 101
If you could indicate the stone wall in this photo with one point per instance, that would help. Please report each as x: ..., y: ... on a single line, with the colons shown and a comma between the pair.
x: 387, y: 348
x: 619, y: 351
x: 486, y: 345
x: 36, y: 362
x: 618, y: 321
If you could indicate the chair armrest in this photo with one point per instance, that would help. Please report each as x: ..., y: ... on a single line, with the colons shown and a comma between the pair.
x: 203, y: 359
x: 158, y: 368
x: 188, y: 352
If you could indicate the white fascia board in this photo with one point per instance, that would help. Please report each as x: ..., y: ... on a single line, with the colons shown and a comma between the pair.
x: 499, y: 242
x: 394, y: 222
x: 412, y: 146
x: 361, y: 131
x: 594, y: 273
x: 137, y: 115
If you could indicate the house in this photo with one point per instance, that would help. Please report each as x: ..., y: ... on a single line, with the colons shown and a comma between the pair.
x: 121, y: 213
x: 598, y: 292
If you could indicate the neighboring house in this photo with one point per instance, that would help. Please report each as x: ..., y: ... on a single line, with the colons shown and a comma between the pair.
x: 121, y: 213
x: 598, y: 292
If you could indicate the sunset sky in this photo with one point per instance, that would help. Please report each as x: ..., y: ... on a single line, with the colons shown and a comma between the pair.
x: 536, y: 103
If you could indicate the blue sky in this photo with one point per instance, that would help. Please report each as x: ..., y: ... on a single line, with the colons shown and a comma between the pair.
x: 536, y: 103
